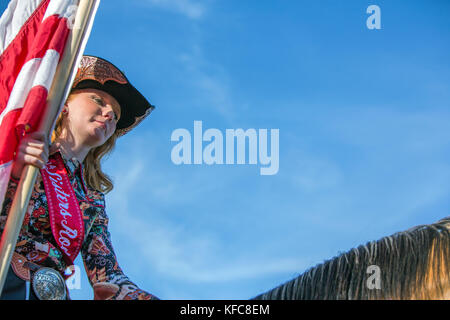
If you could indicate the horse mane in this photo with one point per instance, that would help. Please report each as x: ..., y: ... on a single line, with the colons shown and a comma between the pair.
x: 413, y: 264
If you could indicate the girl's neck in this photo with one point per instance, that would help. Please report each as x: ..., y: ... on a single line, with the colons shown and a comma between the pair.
x: 71, y: 150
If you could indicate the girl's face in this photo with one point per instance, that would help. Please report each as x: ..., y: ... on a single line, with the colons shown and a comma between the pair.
x: 92, y: 116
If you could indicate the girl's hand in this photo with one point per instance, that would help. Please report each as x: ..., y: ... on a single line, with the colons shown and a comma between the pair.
x: 33, y: 150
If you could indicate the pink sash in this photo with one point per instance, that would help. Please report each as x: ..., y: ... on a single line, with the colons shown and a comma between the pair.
x: 66, y: 219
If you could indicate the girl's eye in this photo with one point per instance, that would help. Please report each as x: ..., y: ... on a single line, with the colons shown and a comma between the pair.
x: 98, y: 101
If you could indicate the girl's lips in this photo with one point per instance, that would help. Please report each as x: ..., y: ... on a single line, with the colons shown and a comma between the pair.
x: 101, y: 123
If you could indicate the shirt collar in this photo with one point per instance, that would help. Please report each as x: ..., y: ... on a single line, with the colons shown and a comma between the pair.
x: 73, y: 164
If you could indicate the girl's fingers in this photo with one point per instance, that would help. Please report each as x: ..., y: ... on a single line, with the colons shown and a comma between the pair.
x: 33, y: 150
x: 26, y: 159
x: 35, y: 140
x: 34, y: 143
x: 36, y: 152
x: 35, y: 161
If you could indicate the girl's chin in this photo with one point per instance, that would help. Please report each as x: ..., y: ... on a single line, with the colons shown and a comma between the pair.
x: 97, y: 137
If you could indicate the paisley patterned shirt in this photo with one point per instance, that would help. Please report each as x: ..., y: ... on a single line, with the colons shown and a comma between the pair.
x: 37, y: 244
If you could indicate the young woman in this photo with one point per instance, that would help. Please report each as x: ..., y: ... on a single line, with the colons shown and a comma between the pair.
x: 66, y: 214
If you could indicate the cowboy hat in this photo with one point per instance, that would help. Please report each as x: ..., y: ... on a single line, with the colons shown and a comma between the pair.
x: 98, y: 73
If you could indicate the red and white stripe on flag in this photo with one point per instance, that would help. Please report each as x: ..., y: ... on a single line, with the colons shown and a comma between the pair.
x: 33, y: 35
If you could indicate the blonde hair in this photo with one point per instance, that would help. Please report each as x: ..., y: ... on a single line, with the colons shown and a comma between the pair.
x: 93, y: 175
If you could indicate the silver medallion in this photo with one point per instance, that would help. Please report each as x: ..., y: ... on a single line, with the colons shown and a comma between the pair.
x: 48, y: 284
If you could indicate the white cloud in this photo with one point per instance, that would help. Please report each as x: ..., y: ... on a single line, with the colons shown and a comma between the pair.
x: 210, y: 80
x: 311, y: 173
x: 180, y: 254
x: 189, y: 8
x: 381, y: 127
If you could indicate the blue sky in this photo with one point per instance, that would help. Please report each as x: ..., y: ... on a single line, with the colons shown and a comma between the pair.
x: 364, y: 141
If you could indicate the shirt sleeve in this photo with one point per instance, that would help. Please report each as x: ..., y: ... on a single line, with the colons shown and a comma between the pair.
x: 102, y: 267
x: 7, y: 201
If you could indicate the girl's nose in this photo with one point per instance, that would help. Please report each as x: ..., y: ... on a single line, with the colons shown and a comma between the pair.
x: 108, y: 112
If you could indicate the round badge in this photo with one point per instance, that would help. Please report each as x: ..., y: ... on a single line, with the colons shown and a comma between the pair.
x: 48, y: 284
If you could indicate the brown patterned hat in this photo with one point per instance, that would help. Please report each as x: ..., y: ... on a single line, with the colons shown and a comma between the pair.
x: 100, y: 74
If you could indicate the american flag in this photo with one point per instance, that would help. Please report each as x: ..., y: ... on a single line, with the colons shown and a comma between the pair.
x: 33, y: 35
